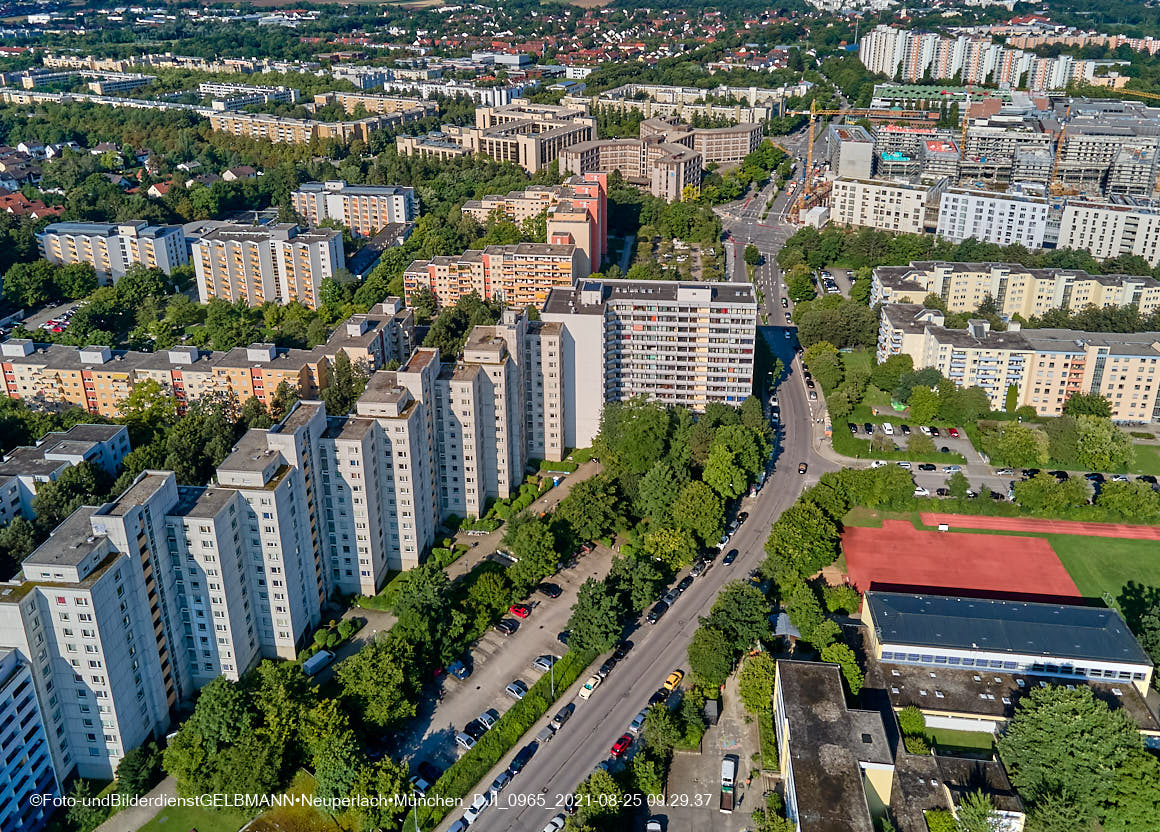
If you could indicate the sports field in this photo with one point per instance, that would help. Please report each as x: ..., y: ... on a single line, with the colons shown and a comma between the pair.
x: 1099, y: 558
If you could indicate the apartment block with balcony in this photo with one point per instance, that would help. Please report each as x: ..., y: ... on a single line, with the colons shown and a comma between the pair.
x: 889, y: 206
x: 25, y: 763
x: 1016, y: 289
x: 112, y: 249
x: 376, y: 104
x: 1112, y: 229
x: 364, y: 209
x: 520, y: 274
x: 664, y: 159
x: 1004, y: 219
x: 678, y: 343
x: 278, y: 263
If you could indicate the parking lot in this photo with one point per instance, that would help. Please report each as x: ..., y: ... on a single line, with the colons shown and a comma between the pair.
x: 953, y: 444
x: 60, y: 314
x: 496, y: 660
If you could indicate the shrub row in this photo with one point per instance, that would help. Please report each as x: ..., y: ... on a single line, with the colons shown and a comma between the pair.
x: 848, y: 445
x: 332, y: 635
x: 466, y: 772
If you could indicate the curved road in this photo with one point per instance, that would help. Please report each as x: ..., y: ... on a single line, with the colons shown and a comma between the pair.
x: 557, y: 768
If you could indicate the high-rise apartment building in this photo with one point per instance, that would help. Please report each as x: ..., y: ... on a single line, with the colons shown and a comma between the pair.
x: 520, y: 274
x: 25, y: 763
x: 1016, y: 289
x: 677, y: 343
x: 112, y: 249
x: 275, y: 263
x: 882, y: 204
x: 364, y: 209
x: 1111, y: 229
x: 1005, y: 219
x: 577, y: 210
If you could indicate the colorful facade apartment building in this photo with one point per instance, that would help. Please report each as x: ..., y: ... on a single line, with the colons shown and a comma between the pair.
x: 520, y: 274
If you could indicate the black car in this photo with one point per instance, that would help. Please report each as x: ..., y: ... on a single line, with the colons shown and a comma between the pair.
x: 685, y: 583
x: 1059, y: 475
x: 942, y: 492
x: 1148, y: 478
x: 933, y: 431
x: 522, y: 757
x: 507, y: 626
x: 810, y: 383
x: 1028, y: 473
x: 428, y: 772
x: 621, y: 650
x: 660, y: 697
x: 853, y: 429
x: 944, y: 449
x: 742, y: 517
x: 474, y: 729
x: 1094, y: 477
x: 927, y: 466
x: 869, y: 428
x: 564, y: 714
x: 655, y: 614
x: 906, y: 430
x: 784, y: 303
x: 551, y: 590
x: 606, y: 668
x: 730, y: 556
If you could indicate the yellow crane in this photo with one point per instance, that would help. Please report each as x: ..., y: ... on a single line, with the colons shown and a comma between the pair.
x: 814, y: 111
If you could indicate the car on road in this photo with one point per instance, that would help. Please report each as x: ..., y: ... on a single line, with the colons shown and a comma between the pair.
x: 813, y: 395
x: 638, y: 722
x: 606, y: 668
x: 499, y: 784
x: 742, y: 516
x: 879, y: 463
x: 730, y: 556
x: 1148, y: 478
x: 905, y: 465
x: 788, y: 318
x: 927, y: 466
x: 670, y: 597
x: 919, y: 491
x: 592, y: 684
x: 674, y: 679
x: 657, y: 612
x: 1094, y: 476
x: 622, y: 649
x: 621, y: 745
x: 1005, y: 472
x: 465, y: 740
x: 1119, y: 478
x: 507, y: 626
x: 522, y: 757
x: 520, y: 610
x: 544, y: 663
x: 784, y: 303
x: 555, y: 824
x: 809, y: 383
x: 516, y: 689
x: 954, y: 432
x: 686, y: 582
x: 802, y: 467
x: 551, y: 590
x: 1059, y: 475
x: 1028, y: 473
x: 481, y: 802
x: 563, y: 715
x: 488, y: 718
x: 952, y: 469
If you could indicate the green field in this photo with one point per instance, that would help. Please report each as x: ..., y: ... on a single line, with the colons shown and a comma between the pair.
x: 1147, y: 459
x: 962, y: 743
x: 1105, y: 564
x: 185, y: 818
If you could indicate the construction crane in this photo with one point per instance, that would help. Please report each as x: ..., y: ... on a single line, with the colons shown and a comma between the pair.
x: 1053, y: 183
x: 813, y: 112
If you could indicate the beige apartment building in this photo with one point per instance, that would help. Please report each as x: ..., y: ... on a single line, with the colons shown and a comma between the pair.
x: 364, y: 209
x: 521, y: 274
x: 278, y: 263
x: 376, y: 104
x: 885, y: 205
x: 577, y: 213
x: 1047, y: 366
x: 1016, y: 289
x: 1111, y: 229
x: 525, y: 134
x: 112, y: 249
x: 664, y: 168
x: 279, y: 129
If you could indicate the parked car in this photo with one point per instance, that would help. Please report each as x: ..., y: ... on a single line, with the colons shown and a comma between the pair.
x: 942, y: 492
x: 555, y: 824
x: 481, y: 802
x: 927, y: 466
x: 474, y: 729
x: 638, y: 722
x: 698, y: 569
x: 905, y: 465
x: 522, y: 757
x: 499, y: 784
x: 621, y: 745
x: 544, y: 663
x: 622, y: 649
x: 933, y: 431
x: 1005, y: 472
x: 488, y: 718
x: 919, y: 491
x: 853, y: 428
x: 813, y: 395
x: 954, y: 432
x: 465, y: 740
x: 516, y: 689
x: 952, y: 469
x: 606, y: 668
x: 905, y: 430
x: 869, y: 427
x: 802, y: 467
x: 551, y: 590
x: 687, y: 581
x: 657, y: 612
x: 730, y: 556
x: 459, y: 669
x: 520, y: 610
x: 507, y: 626
x: 591, y: 685
x: 659, y: 696
x: 563, y: 715
x: 674, y: 679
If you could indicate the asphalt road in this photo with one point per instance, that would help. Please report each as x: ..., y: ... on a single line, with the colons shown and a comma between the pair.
x: 540, y: 791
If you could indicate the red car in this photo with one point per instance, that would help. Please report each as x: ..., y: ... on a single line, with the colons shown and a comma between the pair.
x: 520, y: 610
x: 955, y: 433
x: 621, y: 745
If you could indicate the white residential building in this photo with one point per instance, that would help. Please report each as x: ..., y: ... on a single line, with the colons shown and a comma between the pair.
x: 25, y: 763
x: 364, y: 209
x: 112, y: 249
x: 1111, y: 229
x: 988, y: 217
x: 882, y: 204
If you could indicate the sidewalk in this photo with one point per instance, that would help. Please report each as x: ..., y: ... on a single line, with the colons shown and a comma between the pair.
x: 132, y: 818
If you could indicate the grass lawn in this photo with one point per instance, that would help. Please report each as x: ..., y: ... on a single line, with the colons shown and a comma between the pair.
x: 968, y: 741
x: 1105, y: 564
x: 1147, y: 459
x: 185, y: 818
x: 858, y: 359
x: 297, y: 818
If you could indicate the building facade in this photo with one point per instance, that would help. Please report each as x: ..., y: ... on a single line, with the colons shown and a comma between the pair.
x: 888, y: 206
x: 364, y: 209
x: 26, y: 766
x: 1111, y: 229
x: 113, y: 249
x: 1004, y: 219
x: 521, y: 274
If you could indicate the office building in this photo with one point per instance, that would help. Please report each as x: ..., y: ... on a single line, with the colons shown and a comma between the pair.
x: 112, y: 249
x: 1045, y: 366
x: 1058, y: 641
x: 364, y: 209
x: 529, y: 135
x: 888, y: 206
x: 521, y: 274
x: 850, y: 151
x: 1111, y: 229
x: 677, y: 343
x: 577, y: 210
x: 1016, y: 289
x: 23, y: 469
x: 25, y: 763
x: 277, y: 263
x: 1004, y: 219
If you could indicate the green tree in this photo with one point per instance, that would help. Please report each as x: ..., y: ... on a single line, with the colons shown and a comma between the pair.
x: 535, y: 546
x: 17, y: 541
x: 976, y: 813
x: 337, y: 765
x: 599, y: 802
x: 885, y: 376
x: 844, y: 657
x: 804, y: 537
x: 658, y: 489
x: 741, y: 614
x: 958, y: 485
x: 661, y: 731
x: 592, y: 508
x: 648, y: 774
x: 752, y: 255
x: 1133, y: 500
x: 139, y: 770
x: 1064, y: 741
x: 755, y: 682
x: 675, y: 548
x: 698, y: 510
x: 379, y: 681
x: 595, y: 621
x: 1102, y: 445
x: 1016, y: 445
x: 1134, y: 801
x: 84, y: 814
x: 711, y: 655
x: 1087, y: 404
x: 911, y: 721
x: 347, y: 383
x: 919, y: 444
x: 924, y: 404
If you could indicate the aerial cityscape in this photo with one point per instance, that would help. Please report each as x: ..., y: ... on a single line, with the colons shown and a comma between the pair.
x: 586, y: 416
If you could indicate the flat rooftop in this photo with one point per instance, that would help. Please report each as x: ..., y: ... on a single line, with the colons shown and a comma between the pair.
x: 1014, y: 627
x: 563, y: 300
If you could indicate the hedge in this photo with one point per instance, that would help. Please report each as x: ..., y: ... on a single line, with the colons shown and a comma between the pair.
x: 848, y: 445
x: 565, y: 467
x: 466, y: 772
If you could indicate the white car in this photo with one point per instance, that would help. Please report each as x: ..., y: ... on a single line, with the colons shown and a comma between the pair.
x: 924, y: 429
x: 919, y: 491
x: 905, y: 465
x: 879, y: 463
x: 555, y: 824
x: 1119, y: 478
x: 952, y: 469
x: 638, y: 722
x: 481, y: 802
x: 592, y: 684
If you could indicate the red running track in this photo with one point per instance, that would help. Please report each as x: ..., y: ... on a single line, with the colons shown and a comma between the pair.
x: 899, y: 556
x: 1036, y: 525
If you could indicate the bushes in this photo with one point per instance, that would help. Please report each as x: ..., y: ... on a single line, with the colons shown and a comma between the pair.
x: 564, y: 467
x: 912, y: 723
x: 468, y: 770
x: 332, y: 635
